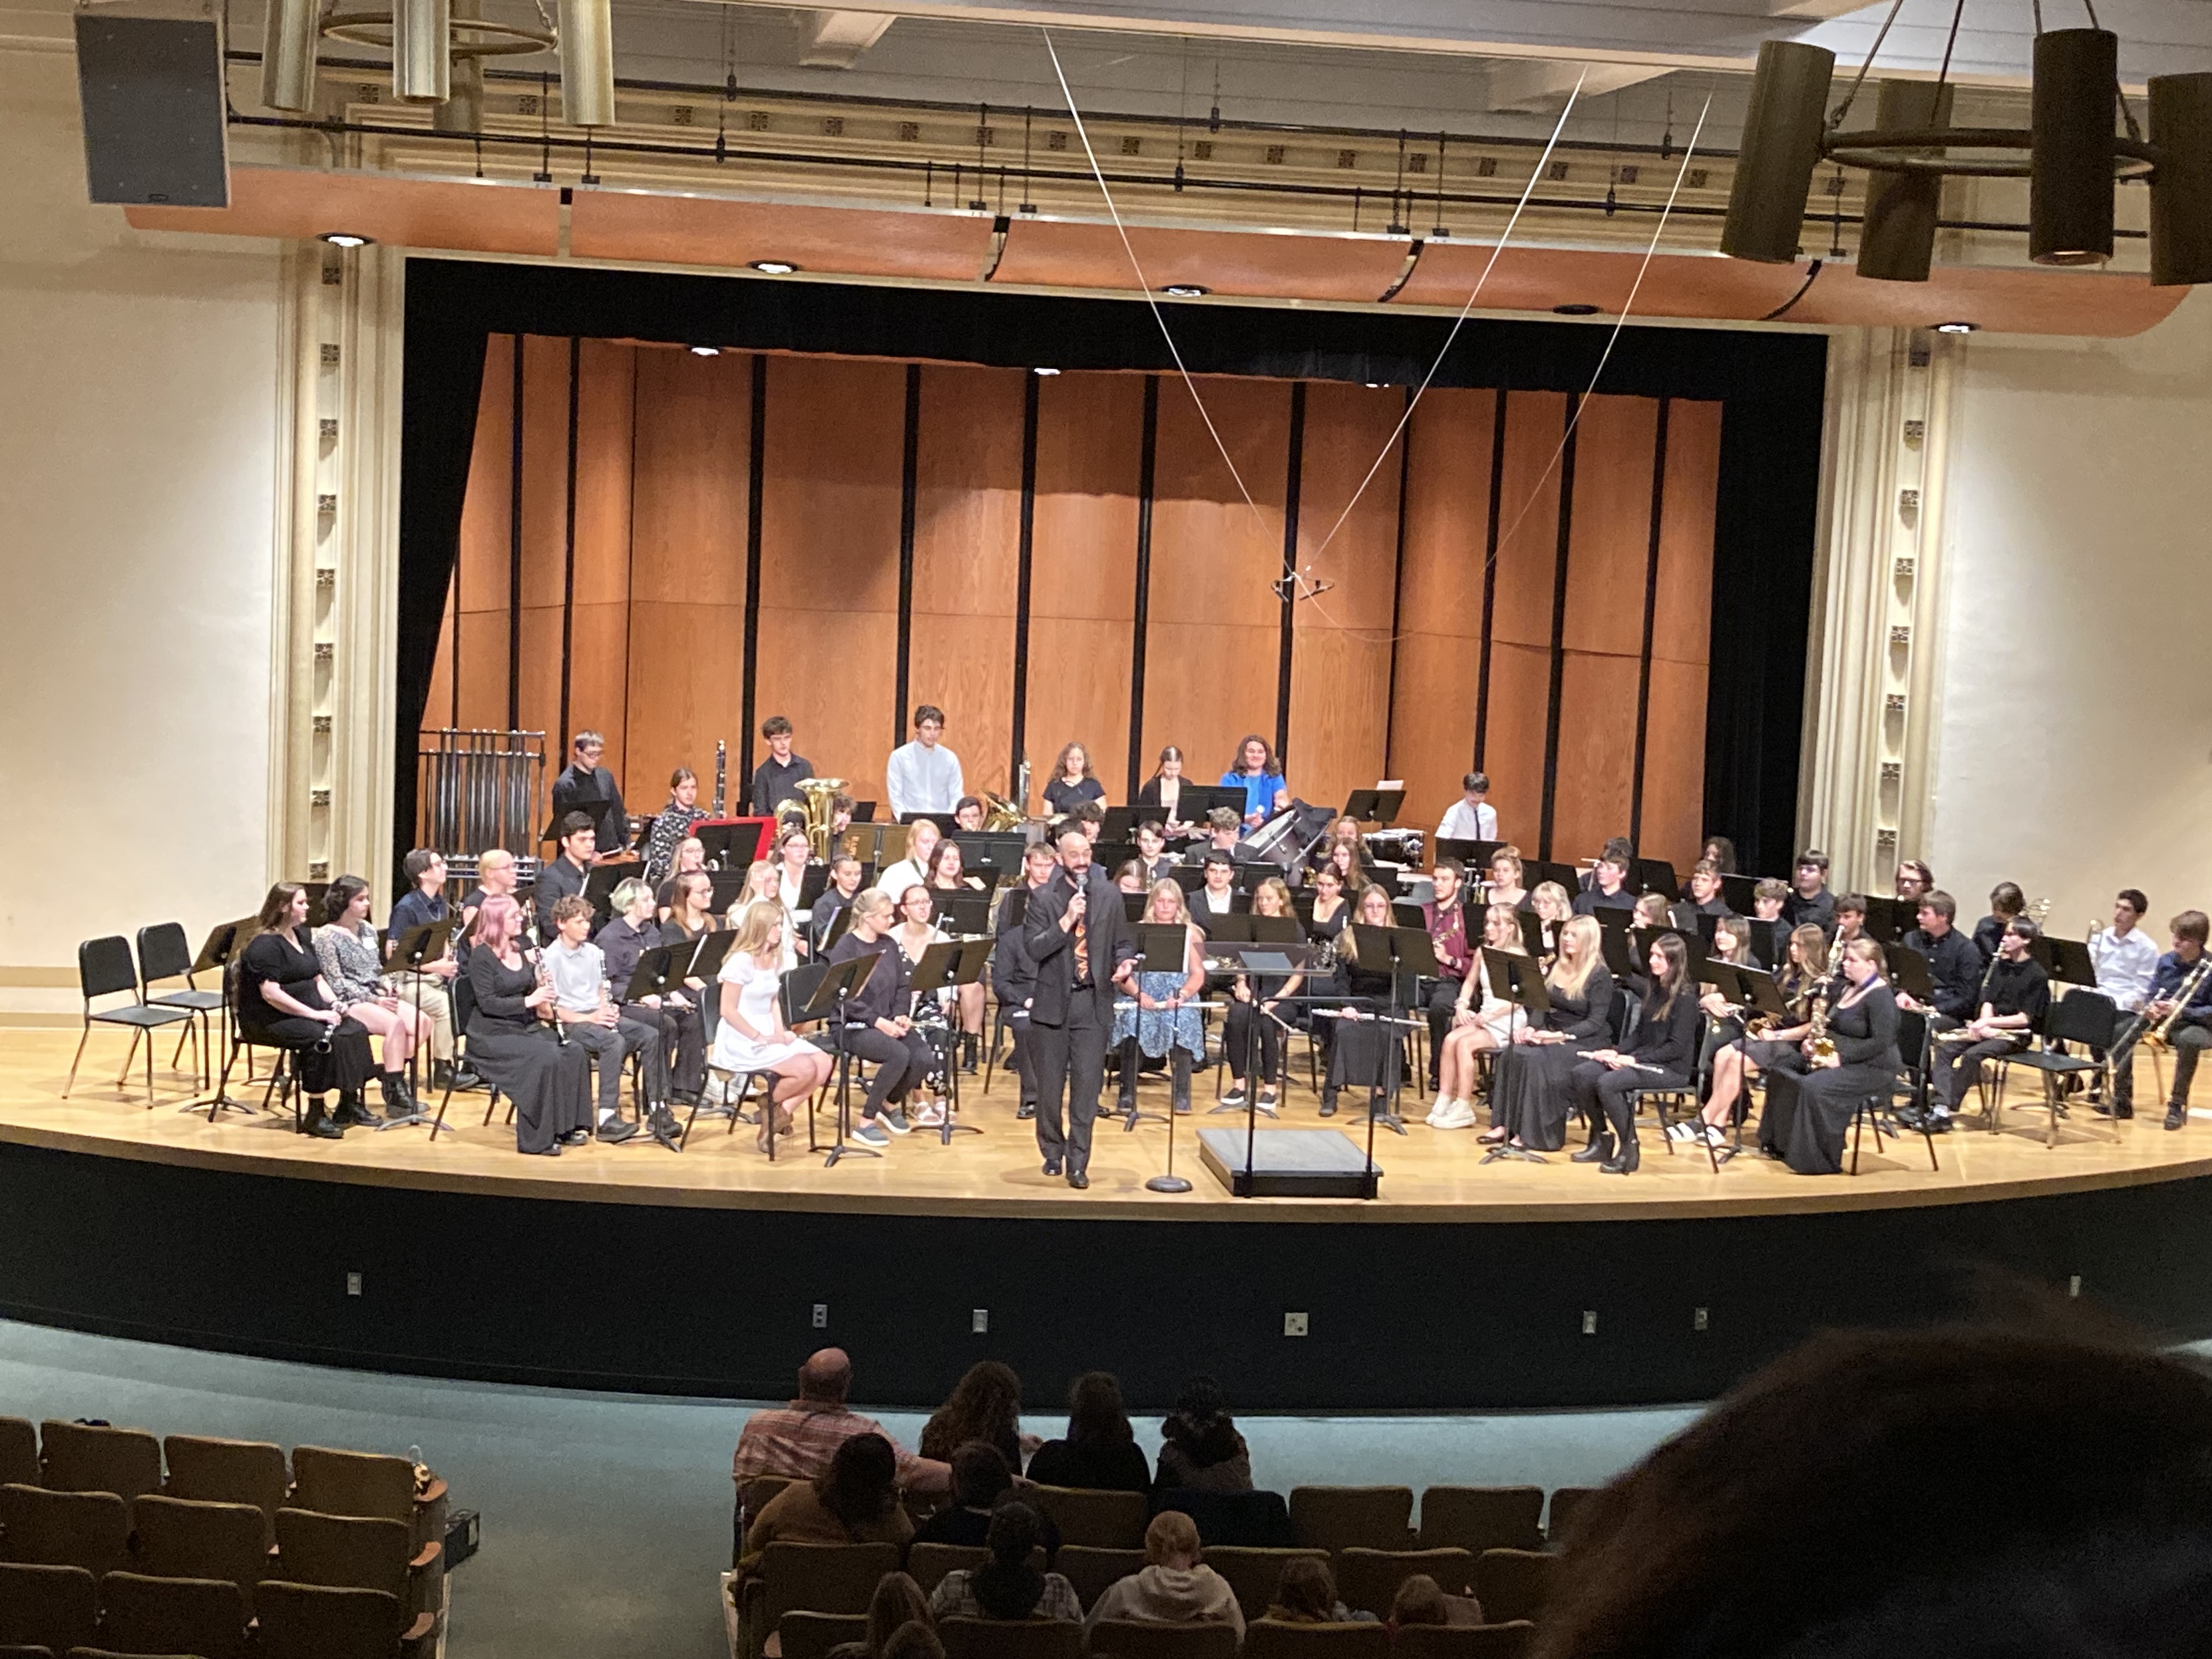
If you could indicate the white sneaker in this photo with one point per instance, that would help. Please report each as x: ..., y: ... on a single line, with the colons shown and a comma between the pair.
x: 1682, y: 1132
x: 1452, y: 1115
x: 1437, y: 1108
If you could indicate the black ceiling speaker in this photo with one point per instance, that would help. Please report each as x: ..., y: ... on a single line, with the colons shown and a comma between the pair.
x: 2181, y: 186
x: 1897, y: 239
x: 2073, y: 104
x: 151, y: 95
x: 1780, y: 148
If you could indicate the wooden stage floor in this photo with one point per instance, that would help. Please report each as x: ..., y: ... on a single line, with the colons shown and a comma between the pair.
x: 1427, y: 1176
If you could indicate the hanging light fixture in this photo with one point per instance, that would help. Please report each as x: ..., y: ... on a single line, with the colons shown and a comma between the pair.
x: 422, y: 61
x: 1897, y: 241
x: 289, y: 38
x: 587, y: 63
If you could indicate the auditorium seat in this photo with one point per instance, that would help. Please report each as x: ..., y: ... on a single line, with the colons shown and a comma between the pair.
x: 92, y: 1458
x: 205, y: 1617
x: 1510, y: 1640
x: 804, y: 1635
x: 1090, y: 1568
x: 1272, y: 1638
x: 1254, y: 1574
x: 1478, y: 1519
x: 369, y: 1485
x: 47, y: 1606
x: 104, y: 1653
x: 1565, y: 1501
x: 927, y: 1563
x: 315, y: 1621
x: 1513, y: 1584
x: 1011, y: 1638
x: 227, y: 1472
x: 13, y: 1650
x: 1145, y: 1638
x: 1096, y: 1520
x: 1253, y: 1520
x: 358, y: 1553
x: 1345, y: 1518
x: 180, y: 1538
x: 1368, y: 1580
x: 88, y: 1530
x: 19, y: 1452
x: 818, y: 1577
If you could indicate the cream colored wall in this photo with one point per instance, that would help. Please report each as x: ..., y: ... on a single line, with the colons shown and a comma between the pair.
x: 2073, y: 740
x: 139, y: 421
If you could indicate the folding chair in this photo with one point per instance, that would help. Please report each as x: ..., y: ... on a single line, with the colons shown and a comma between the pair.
x: 810, y: 1577
x: 54, y: 1608
x: 1090, y: 1568
x: 371, y: 1485
x: 2081, y: 1016
x: 204, y: 1617
x: 95, y: 1457
x: 164, y: 954
x: 104, y: 967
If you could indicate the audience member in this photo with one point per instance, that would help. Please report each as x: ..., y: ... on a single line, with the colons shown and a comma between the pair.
x: 1200, y: 1447
x: 985, y: 1404
x: 1007, y: 1586
x: 1100, y: 1451
x: 897, y: 1603
x: 914, y: 1641
x: 798, y: 1440
x: 1307, y: 1595
x: 854, y: 1501
x: 979, y: 1479
x: 1997, y: 1492
x: 1174, y: 1586
x: 1421, y: 1601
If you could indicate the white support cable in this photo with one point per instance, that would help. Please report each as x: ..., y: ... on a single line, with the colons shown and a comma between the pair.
x: 1174, y: 352
x: 1458, y: 322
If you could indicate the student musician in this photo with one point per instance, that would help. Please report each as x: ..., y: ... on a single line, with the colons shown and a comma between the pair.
x: 1152, y: 851
x: 592, y: 1021
x: 1254, y: 1019
x: 430, y: 992
x: 968, y: 815
x: 2012, y: 997
x: 1850, y: 924
x: 1915, y: 880
x: 1223, y: 832
x: 1156, y: 1014
x: 1445, y: 917
x: 352, y: 962
x: 1506, y: 880
x: 752, y: 1036
x: 879, y: 1026
x: 1014, y: 976
x: 1072, y: 782
x: 924, y: 776
x: 2125, y: 961
x: 1131, y: 878
x: 1954, y: 966
x: 1482, y: 1022
x: 681, y: 1050
x: 1366, y: 1050
x: 1608, y: 888
x: 1217, y: 897
x: 1722, y: 851
x: 1163, y: 790
x: 763, y: 886
x: 2006, y: 901
x: 1776, y: 1047
x: 1704, y: 897
x: 674, y: 826
x: 913, y: 930
x: 690, y: 860
x: 842, y: 888
x: 1769, y: 899
x: 564, y: 878
x: 513, y: 1043
x: 921, y: 838
x: 690, y: 919
x: 776, y: 779
x: 1259, y: 776
x: 1665, y: 1056
x: 2191, y: 1032
x: 1470, y: 817
x: 947, y: 875
x: 1807, y: 1113
x: 1553, y: 909
x: 1809, y: 899
x: 793, y: 852
x: 1529, y: 1082
x: 586, y: 787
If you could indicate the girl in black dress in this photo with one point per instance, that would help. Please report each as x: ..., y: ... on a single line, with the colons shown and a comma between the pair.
x: 284, y: 1003
x: 1664, y: 1057
x: 1529, y: 1084
x: 549, y: 1081
x: 1365, y: 1052
x: 1071, y: 782
x: 1777, y: 1048
x: 1164, y: 789
x: 1806, y: 1116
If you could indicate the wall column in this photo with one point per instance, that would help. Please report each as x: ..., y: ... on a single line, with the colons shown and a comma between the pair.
x: 1873, y: 662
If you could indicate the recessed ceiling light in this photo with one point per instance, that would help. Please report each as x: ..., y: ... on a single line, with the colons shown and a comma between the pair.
x: 1956, y: 328
x: 346, y: 238
x: 773, y: 267
x: 706, y: 351
x: 1576, y: 310
x: 1185, y: 291
x: 1044, y: 371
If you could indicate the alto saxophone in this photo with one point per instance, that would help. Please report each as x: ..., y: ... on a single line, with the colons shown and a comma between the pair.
x: 1818, y: 1045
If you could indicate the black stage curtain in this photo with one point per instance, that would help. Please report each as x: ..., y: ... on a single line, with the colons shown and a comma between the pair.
x: 1771, y: 383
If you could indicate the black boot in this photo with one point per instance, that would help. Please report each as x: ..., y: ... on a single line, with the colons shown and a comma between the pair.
x: 317, y: 1122
x: 971, y: 1047
x: 1625, y: 1164
x: 351, y: 1111
x: 1600, y: 1150
x: 399, y: 1101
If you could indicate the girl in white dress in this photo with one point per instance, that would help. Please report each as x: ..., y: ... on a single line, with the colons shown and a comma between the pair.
x: 752, y: 1036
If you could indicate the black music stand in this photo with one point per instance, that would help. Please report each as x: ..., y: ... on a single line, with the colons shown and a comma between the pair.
x: 414, y: 951
x: 2066, y: 960
x: 1474, y: 854
x: 1742, y: 893
x: 1656, y: 876
x: 720, y: 843
x: 1276, y: 959
x: 1413, y: 957
x: 217, y: 952
x: 1373, y: 805
x: 1517, y: 978
x: 837, y: 986
x: 950, y: 962
x: 1889, y: 920
x: 1162, y: 945
x: 963, y: 914
x: 1908, y: 972
x: 1769, y: 942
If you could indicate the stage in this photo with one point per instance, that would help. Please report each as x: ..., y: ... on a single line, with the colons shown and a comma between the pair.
x: 1463, y: 1284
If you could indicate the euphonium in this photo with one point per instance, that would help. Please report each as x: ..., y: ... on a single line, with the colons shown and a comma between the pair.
x: 999, y: 814
x: 814, y: 809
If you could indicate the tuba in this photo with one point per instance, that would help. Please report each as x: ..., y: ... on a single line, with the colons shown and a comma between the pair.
x: 813, y: 807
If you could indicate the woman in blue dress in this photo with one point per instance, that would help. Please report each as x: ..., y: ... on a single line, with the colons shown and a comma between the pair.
x: 1259, y: 776
x: 1165, y: 1022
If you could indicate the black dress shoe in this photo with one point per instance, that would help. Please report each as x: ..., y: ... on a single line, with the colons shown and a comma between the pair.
x: 1600, y: 1151
x: 1078, y: 1180
x: 1052, y: 1166
x: 2176, y: 1116
x: 1935, y: 1123
x: 1328, y: 1105
x: 1625, y: 1163
x: 615, y: 1133
x: 573, y: 1138
x: 1026, y: 1111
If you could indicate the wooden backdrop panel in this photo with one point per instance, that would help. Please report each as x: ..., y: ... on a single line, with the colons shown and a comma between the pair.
x: 476, y: 643
x: 1210, y: 655
x: 1674, y: 763
x: 1529, y: 523
x: 1341, y: 663
x: 1609, y: 543
x: 1596, y: 762
x: 967, y: 560
x: 598, y: 645
x: 544, y: 505
x: 1446, y: 516
x: 1682, y: 619
x: 1089, y: 463
x: 690, y: 504
x: 829, y: 536
x: 1520, y: 692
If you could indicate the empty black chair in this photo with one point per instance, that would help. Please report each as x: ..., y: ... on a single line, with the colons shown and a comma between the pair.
x: 164, y: 954
x: 104, y: 968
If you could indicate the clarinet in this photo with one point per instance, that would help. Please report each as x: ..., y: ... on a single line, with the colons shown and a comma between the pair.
x: 722, y: 775
x: 552, y: 1009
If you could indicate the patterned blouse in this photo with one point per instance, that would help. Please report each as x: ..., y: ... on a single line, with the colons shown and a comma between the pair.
x: 352, y: 962
x: 667, y: 834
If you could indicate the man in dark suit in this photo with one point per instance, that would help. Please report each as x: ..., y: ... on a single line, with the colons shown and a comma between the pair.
x: 1014, y: 976
x: 1078, y: 941
x: 585, y: 786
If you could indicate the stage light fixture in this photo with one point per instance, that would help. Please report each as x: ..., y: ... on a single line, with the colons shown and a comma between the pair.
x: 1185, y: 291
x: 1578, y: 309
x: 706, y: 351
x: 422, y: 65
x: 587, y: 63
x: 1780, y: 147
x: 1956, y: 328
x: 1897, y: 241
x: 2181, y: 188
x: 345, y: 239
x: 1045, y: 373
x: 290, y: 39
x: 774, y: 267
